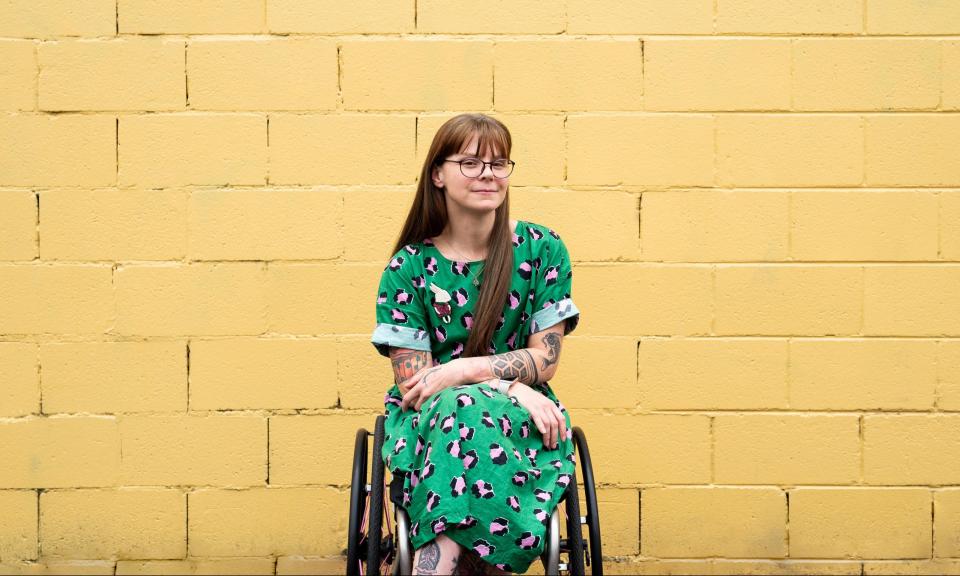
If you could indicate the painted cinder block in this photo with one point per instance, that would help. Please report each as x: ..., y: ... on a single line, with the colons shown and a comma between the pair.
x: 716, y: 74
x: 258, y: 224
x: 562, y: 74
x: 702, y: 521
x: 263, y: 373
x: 30, y: 19
x: 111, y: 224
x: 855, y: 522
x: 114, y: 377
x: 58, y: 150
x: 18, y: 225
x: 131, y: 73
x: 124, y: 523
x: 273, y: 73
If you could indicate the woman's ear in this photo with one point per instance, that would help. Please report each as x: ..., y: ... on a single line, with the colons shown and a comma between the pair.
x: 437, y: 176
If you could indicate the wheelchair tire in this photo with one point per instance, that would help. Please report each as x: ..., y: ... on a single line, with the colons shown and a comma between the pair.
x: 375, y: 521
x: 574, y: 542
x: 590, y: 492
x: 358, y: 500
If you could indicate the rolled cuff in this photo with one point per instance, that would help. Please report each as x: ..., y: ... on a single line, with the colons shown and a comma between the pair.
x: 562, y: 310
x: 387, y: 335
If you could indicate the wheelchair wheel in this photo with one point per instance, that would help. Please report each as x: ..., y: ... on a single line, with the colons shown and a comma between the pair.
x: 366, y: 550
x: 573, y: 544
x: 594, y: 558
x: 375, y: 520
x: 356, y: 539
x: 574, y: 541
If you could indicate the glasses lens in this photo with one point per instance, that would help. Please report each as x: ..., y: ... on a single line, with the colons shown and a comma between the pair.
x: 502, y: 168
x: 471, y: 168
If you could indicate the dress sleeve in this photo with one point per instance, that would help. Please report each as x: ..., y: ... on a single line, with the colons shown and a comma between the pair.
x: 552, y: 299
x: 401, y: 312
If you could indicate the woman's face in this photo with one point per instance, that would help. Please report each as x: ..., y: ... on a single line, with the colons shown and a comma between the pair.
x: 481, y: 193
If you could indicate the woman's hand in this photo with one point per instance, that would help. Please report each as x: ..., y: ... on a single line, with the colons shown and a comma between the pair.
x: 428, y: 381
x: 545, y: 414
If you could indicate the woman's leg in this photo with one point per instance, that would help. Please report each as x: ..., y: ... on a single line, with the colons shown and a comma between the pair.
x: 438, y: 556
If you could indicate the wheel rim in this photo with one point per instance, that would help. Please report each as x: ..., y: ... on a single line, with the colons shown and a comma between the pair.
x: 593, y: 517
x: 574, y: 532
x: 375, y: 522
x: 358, y: 498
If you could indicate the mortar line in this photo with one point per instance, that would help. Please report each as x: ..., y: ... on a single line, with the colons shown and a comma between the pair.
x: 267, y: 183
x: 188, y: 375
x: 640, y: 522
x: 933, y: 517
x: 36, y: 227
x: 339, y: 77
x: 186, y: 76
x: 640, y: 224
x: 116, y: 151
x: 787, y: 527
x: 39, y: 377
x: 39, y: 541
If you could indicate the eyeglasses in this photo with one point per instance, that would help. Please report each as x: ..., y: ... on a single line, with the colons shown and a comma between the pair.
x: 473, y: 167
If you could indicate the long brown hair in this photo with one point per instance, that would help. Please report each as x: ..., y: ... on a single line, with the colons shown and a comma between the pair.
x: 428, y: 217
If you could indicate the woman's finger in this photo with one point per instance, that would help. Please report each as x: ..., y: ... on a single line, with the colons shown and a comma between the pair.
x: 550, y: 425
x: 412, y: 394
x: 538, y: 422
x: 563, y: 425
x: 554, y: 431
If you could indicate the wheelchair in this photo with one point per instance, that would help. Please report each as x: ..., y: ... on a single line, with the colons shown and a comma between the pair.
x: 370, y: 551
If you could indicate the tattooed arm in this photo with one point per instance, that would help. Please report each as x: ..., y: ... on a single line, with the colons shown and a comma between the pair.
x: 532, y: 365
x: 407, y: 362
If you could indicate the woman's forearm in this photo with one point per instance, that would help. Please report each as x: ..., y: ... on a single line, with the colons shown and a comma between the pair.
x: 529, y: 365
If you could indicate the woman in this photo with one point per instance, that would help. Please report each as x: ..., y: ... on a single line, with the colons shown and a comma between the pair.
x: 472, y: 308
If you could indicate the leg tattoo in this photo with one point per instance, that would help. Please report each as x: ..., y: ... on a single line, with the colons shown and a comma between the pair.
x: 429, y: 558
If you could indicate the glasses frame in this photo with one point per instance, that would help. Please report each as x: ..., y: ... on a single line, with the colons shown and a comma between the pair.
x: 484, y: 167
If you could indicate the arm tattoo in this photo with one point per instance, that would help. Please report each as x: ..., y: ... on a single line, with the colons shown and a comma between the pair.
x: 517, y: 364
x: 429, y: 558
x: 552, y: 340
x: 406, y: 363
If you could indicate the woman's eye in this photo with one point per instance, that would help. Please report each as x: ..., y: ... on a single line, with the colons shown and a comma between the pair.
x: 470, y: 163
x: 500, y: 164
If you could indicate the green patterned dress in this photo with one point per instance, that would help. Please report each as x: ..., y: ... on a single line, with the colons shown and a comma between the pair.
x: 473, y: 463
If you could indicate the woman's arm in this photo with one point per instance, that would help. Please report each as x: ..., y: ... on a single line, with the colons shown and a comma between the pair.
x: 534, y: 364
x: 407, y: 362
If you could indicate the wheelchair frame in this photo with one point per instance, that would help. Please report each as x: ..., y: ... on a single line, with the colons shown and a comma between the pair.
x: 370, y: 503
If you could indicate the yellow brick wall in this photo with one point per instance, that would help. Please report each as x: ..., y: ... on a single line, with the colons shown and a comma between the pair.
x: 761, y: 197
